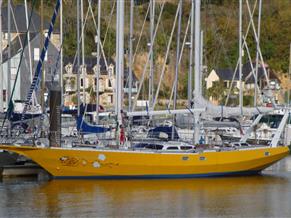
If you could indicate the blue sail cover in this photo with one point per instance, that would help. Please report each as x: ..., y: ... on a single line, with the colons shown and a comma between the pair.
x: 86, y: 128
x: 155, y: 132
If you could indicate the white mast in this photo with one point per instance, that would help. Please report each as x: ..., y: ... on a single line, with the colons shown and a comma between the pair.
x: 8, y: 92
x: 62, y: 55
x: 151, y: 77
x: 83, y: 52
x: 177, y: 54
x: 289, y: 73
x: 98, y: 60
x: 240, y: 59
x: 29, y: 47
x: 177, y: 64
x: 130, y: 55
x: 197, y: 68
x: 119, y: 58
x: 201, y: 62
x: 78, y: 55
x: 191, y: 54
x: 1, y: 60
x: 257, y: 54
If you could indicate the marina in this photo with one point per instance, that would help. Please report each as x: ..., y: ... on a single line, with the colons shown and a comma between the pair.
x: 141, y: 109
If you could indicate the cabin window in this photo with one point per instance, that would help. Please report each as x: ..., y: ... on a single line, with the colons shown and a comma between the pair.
x: 186, y: 147
x: 154, y: 146
x: 172, y: 148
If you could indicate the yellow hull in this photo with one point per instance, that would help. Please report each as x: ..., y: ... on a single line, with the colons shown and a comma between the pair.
x: 94, y: 163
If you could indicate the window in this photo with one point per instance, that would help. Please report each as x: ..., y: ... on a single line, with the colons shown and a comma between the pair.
x: 82, y: 82
x: 154, y: 146
x: 4, y: 95
x: 13, y: 73
x: 95, y: 82
x: 109, y: 84
x: 172, y: 148
x: 186, y: 147
x: 110, y: 99
x: 36, y: 54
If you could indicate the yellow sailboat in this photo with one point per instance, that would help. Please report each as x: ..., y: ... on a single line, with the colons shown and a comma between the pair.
x: 130, y: 163
x: 105, y: 163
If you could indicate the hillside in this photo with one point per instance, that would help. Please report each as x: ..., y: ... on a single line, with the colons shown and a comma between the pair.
x: 219, y: 22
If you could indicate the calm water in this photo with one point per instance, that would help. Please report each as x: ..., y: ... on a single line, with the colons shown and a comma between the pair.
x: 268, y: 195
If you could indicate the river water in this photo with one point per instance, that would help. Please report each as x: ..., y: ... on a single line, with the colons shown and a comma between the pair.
x: 266, y: 195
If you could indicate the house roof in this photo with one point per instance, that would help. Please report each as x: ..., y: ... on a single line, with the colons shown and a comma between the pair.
x: 16, y: 45
x: 226, y: 74
x: 247, y: 76
x: 18, y: 21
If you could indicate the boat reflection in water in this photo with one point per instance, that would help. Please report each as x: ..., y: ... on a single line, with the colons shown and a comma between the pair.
x: 263, y: 195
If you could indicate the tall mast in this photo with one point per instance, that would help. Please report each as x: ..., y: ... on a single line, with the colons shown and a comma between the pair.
x: 257, y: 54
x: 42, y: 69
x: 78, y: 56
x: 177, y: 54
x: 130, y: 55
x: 201, y: 62
x: 83, y: 52
x: 151, y: 77
x: 8, y: 92
x: 289, y: 73
x: 177, y: 64
x: 29, y: 47
x: 197, y: 68
x: 240, y: 59
x: 62, y: 55
x: 98, y: 60
x: 1, y: 60
x: 197, y: 47
x: 190, y: 72
x: 119, y: 57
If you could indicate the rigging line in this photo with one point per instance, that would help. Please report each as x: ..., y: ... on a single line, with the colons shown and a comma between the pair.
x: 29, y: 50
x: 166, y: 57
x: 75, y: 57
x: 148, y: 57
x: 37, y: 75
x: 10, y: 104
x: 99, y: 39
x: 251, y: 63
x: 55, y: 70
x: 259, y: 50
x: 234, y: 73
x: 181, y: 54
x: 140, y: 35
x: 220, y: 39
x: 109, y: 22
x: 18, y: 35
x: 163, y: 30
